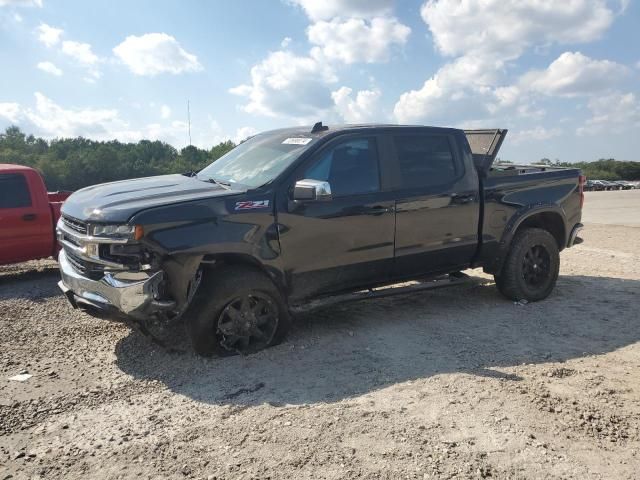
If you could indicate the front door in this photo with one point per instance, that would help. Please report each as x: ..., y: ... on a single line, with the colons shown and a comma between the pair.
x: 345, y: 242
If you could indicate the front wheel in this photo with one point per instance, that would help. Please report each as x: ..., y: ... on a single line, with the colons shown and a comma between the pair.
x: 531, y: 268
x: 236, y: 310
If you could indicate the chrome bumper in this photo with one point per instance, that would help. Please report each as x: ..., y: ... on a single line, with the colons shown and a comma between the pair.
x: 132, y: 294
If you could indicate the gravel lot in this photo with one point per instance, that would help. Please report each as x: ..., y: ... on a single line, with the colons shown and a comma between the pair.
x: 454, y: 383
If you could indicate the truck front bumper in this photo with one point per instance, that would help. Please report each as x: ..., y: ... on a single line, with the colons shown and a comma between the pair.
x: 130, y: 294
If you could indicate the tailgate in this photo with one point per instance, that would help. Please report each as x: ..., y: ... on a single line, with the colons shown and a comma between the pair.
x: 485, y: 145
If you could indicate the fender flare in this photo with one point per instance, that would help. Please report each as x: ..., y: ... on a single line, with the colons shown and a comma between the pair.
x: 514, y: 224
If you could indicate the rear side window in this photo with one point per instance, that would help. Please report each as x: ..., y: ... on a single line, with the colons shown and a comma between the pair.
x: 14, y: 192
x: 425, y: 160
x: 351, y: 167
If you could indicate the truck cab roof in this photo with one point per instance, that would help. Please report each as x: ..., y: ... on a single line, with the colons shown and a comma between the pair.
x: 5, y: 167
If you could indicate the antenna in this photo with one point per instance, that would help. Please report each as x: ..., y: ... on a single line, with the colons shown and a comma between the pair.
x: 189, y: 121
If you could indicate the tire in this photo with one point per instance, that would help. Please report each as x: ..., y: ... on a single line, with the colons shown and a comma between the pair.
x: 531, y: 268
x: 228, y: 312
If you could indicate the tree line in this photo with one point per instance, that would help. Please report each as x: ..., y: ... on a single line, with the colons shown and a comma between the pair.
x: 73, y: 163
x: 603, y: 169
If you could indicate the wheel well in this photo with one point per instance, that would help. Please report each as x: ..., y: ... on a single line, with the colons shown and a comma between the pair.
x: 214, y: 261
x: 549, y: 221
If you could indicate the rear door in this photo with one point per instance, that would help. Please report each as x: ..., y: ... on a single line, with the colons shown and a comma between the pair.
x: 437, y: 204
x: 329, y: 246
x: 23, y: 235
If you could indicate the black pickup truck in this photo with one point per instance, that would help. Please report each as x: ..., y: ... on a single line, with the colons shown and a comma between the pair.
x: 295, y: 217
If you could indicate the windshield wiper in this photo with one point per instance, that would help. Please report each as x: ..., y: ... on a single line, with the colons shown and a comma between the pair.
x: 225, y: 185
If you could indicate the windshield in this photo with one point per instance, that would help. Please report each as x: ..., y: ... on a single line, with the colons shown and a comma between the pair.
x: 258, y: 160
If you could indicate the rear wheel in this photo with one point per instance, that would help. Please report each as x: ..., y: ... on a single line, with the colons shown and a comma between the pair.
x: 236, y: 310
x: 531, y: 268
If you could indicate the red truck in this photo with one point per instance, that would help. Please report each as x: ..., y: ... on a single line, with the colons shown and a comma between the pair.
x: 28, y: 215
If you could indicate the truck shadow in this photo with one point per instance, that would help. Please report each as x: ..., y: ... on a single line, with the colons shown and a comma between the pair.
x: 353, y: 349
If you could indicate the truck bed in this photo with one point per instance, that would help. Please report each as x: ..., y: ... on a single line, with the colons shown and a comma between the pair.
x: 506, y: 169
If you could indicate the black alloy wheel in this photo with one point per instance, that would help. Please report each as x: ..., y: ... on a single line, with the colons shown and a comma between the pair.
x: 531, y: 267
x: 536, y: 266
x: 247, y: 324
x: 236, y: 310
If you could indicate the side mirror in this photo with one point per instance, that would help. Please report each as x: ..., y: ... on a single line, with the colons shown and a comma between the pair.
x: 312, y: 190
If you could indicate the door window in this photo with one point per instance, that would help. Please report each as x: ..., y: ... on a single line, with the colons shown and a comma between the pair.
x: 425, y: 160
x: 350, y: 167
x: 14, y: 192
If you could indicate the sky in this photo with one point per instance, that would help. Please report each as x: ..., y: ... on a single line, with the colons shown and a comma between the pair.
x: 562, y: 76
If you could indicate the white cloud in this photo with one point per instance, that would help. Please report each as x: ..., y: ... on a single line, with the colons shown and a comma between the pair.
x: 243, y: 133
x: 48, y: 119
x: 508, y: 27
x: 573, y: 74
x: 84, y: 56
x: 49, y: 35
x: 485, y: 37
x: 49, y: 68
x: 53, y: 120
x: 17, y: 17
x: 327, y: 9
x: 21, y: 3
x: 298, y: 87
x: 81, y: 52
x: 155, y: 53
x: 286, y: 41
x: 357, y: 40
x: 614, y: 112
x: 459, y: 90
x: 10, y: 111
x: 363, y: 108
x: 165, y: 112
x: 288, y: 85
x: 535, y: 134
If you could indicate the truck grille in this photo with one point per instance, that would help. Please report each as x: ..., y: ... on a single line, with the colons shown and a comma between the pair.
x: 75, y: 225
x: 84, y: 268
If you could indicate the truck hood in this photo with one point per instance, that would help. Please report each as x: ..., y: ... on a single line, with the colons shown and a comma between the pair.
x: 116, y: 202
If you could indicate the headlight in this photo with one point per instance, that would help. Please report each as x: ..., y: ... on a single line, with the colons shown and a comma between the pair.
x: 113, y: 230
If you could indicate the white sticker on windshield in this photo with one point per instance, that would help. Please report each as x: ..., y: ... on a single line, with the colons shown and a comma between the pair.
x: 296, y: 141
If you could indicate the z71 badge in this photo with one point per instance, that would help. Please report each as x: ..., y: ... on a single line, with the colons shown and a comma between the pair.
x: 252, y: 204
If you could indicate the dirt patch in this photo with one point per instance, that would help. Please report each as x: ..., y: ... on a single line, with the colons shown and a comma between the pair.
x: 456, y: 383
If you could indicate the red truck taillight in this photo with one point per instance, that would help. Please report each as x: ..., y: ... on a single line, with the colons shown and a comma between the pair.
x: 581, y: 181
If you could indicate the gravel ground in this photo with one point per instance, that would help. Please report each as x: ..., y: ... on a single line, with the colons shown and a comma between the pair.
x: 454, y: 383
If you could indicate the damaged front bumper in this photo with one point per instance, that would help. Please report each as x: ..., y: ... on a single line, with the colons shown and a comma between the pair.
x: 133, y: 294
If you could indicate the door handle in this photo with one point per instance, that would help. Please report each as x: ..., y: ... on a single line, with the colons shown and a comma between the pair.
x: 379, y: 210
x: 462, y: 198
x: 29, y: 217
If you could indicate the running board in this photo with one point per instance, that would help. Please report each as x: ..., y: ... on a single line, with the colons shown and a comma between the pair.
x: 442, y: 281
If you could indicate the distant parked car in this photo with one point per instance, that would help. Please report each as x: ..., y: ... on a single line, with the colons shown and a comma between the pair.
x: 609, y: 185
x: 597, y: 185
x: 624, y: 185
x: 591, y: 186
